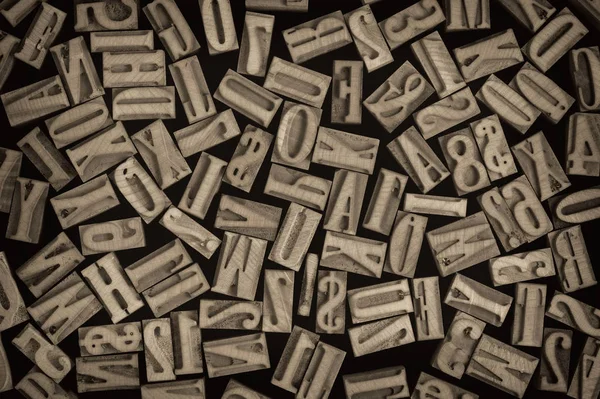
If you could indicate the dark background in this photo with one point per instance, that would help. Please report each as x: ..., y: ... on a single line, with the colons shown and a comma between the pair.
x: 415, y: 357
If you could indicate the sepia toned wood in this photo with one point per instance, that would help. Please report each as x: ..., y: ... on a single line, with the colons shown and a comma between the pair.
x: 317, y: 37
x: 140, y: 190
x: 49, y: 358
x: 379, y: 301
x: 488, y: 55
x: 107, y: 373
x: 79, y: 122
x: 478, y: 300
x: 435, y: 205
x: 405, y: 244
x: 248, y: 98
x: 176, y: 290
x: 344, y: 150
x: 219, y: 27
x: 102, y: 151
x: 429, y: 386
x: 15, y: 12
x: 454, y: 353
x: 381, y: 335
x: 390, y: 380
x: 585, y: 382
x: 296, y: 135
x: 524, y: 266
x: 583, y: 145
x: 528, y: 323
x: 138, y: 103
x: 331, y: 302
x: 411, y: 22
x: 193, y: 91
x: 37, y: 385
x: 247, y: 158
x: 190, y: 231
x: 295, y: 236
x: 353, y: 254
x: 103, y: 15
x: 34, y: 101
x: 112, y: 288
x: 295, y: 186
x: 575, y: 208
x: 134, y: 68
x: 468, y: 15
x: 398, y: 97
x: 207, y: 133
x: 114, y: 235
x: 203, y: 185
x: 234, y: 389
x: 111, y: 339
x: 584, y: 63
x: 278, y: 301
x: 12, y: 311
x: 187, y: 342
x: 239, y: 265
x: 515, y: 213
x: 46, y: 158
x: 296, y: 82
x: 575, y: 270
x: 158, y: 350
x: 428, y: 308
x: 530, y: 13
x: 555, y: 359
x: 125, y: 40
x: 48, y: 266
x: 554, y: 40
x: 172, y: 29
x: 6, y: 383
x: 322, y: 372
x: 347, y: 92
x: 10, y: 168
x: 42, y: 32
x: 64, y: 308
x: 278, y: 5
x: 27, y: 210
x: 236, y: 355
x: 384, y: 201
x: 345, y: 201
x: 575, y: 314
x: 8, y: 47
x: 295, y: 359
x: 230, y: 315
x: 175, y: 390
x: 464, y: 161
x: 494, y: 361
x: 256, y: 44
x: 495, y: 154
x: 247, y: 217
x: 311, y: 263
x: 77, y: 70
x: 446, y: 113
x: 536, y: 158
x: 84, y: 202
x: 432, y: 54
x: 368, y: 38
x: 158, y: 265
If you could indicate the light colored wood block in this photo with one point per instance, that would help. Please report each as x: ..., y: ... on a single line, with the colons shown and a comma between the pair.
x: 589, y: 9
x: 239, y: 266
x: 176, y: 290
x: 478, y: 300
x: 428, y: 308
x: 234, y: 389
x: 113, y: 289
x: 111, y: 339
x: 347, y: 92
x: 495, y: 153
x: 368, y: 38
x: 27, y: 210
x: 187, y: 342
x: 583, y: 145
x: 520, y: 267
x: 247, y: 217
x: 322, y: 371
x: 331, y: 302
x: 42, y: 32
x: 247, y: 158
x: 528, y: 322
x: 381, y: 335
x: 398, y: 97
x: 203, y: 185
x: 158, y: 350
x: 108, y: 373
x: 10, y: 168
x: 435, y: 205
x: 207, y: 133
x: 114, y: 235
x: 344, y: 150
x: 311, y: 263
x: 575, y: 314
x: 6, y: 382
x: 190, y: 231
x: 385, y: 201
x: 532, y: 14
x: 585, y: 382
x: 575, y: 208
x: 8, y: 47
x: 256, y: 44
x: 230, y: 315
x: 138, y: 103
x: 37, y: 385
x: 554, y: 363
x: 278, y: 301
x: 585, y: 64
x: 13, y: 310
x: 295, y: 186
x: 101, y: 15
x: 391, y: 380
x: 317, y: 37
x: 353, y: 254
x: 172, y: 29
x: 405, y: 244
x: 379, y: 301
x: 193, y: 91
x: 411, y: 22
x: 219, y: 27
x: 345, y: 201
x: 430, y: 386
x: 236, y: 355
x: 187, y: 389
x: 468, y: 15
x: 125, y: 40
x: 134, y: 68
x: 84, y: 202
x: 278, y: 5
x: 295, y: 359
x: 15, y: 12
x: 64, y: 308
